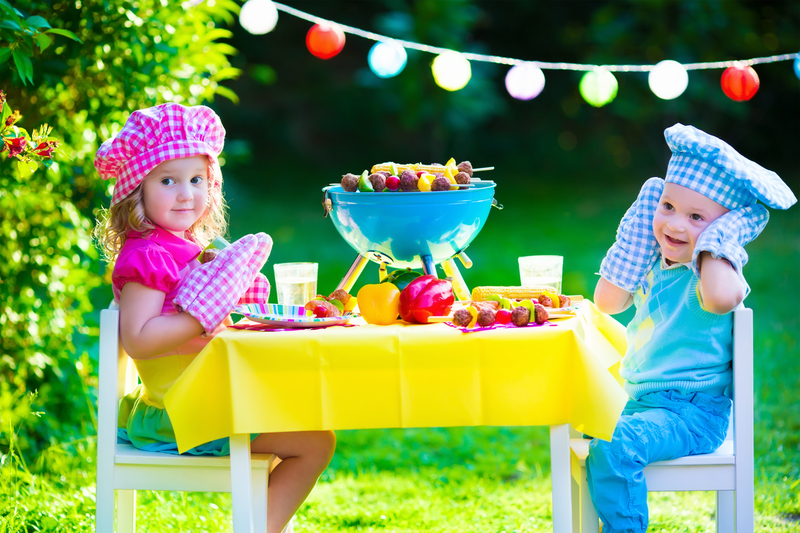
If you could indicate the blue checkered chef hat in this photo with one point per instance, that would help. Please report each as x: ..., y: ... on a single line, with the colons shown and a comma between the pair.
x: 707, y: 165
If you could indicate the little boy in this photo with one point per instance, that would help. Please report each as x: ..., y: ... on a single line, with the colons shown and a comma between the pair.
x: 678, y: 258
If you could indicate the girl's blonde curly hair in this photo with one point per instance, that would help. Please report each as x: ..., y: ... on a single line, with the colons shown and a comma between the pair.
x: 115, y: 224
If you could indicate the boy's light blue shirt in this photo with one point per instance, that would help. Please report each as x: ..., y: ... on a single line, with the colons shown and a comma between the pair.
x: 673, y: 342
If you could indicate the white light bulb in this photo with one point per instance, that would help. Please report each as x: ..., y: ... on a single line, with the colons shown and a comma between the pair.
x: 258, y: 16
x: 668, y: 79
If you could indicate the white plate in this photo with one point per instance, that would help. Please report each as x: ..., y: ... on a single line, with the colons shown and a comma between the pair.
x: 266, y: 314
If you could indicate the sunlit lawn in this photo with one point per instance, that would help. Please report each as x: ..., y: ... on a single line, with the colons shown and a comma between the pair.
x: 473, y: 479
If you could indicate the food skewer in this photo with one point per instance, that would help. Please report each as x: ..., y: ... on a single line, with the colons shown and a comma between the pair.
x: 553, y: 314
x: 454, y: 187
x: 413, y: 177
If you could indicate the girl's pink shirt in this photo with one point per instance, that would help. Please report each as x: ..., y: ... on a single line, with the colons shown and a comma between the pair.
x: 160, y: 261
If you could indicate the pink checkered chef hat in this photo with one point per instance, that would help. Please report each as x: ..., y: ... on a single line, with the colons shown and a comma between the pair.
x: 157, y: 134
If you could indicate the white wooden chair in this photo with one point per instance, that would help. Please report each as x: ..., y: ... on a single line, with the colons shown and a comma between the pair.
x: 124, y: 469
x: 728, y: 470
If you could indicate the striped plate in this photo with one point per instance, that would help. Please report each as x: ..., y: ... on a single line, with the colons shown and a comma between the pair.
x: 288, y: 316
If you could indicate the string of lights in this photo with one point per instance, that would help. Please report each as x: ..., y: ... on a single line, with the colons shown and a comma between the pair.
x: 451, y: 69
x: 512, y: 61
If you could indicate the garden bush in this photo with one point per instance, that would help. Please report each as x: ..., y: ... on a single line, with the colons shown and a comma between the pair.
x: 80, y: 67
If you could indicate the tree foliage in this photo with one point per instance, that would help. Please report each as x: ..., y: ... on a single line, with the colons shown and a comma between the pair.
x: 80, y: 67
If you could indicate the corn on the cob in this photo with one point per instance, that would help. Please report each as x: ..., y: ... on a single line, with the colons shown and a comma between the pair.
x: 415, y: 167
x: 479, y: 294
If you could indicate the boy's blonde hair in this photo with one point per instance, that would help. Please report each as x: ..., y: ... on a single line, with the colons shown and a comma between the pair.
x: 117, y: 223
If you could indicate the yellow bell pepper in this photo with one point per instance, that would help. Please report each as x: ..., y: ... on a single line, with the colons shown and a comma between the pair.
x: 379, y: 304
x: 450, y: 174
x: 473, y: 313
x: 351, y: 304
x: 554, y: 297
x: 424, y: 183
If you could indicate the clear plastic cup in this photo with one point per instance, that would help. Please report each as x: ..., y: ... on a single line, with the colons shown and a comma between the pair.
x: 541, y: 271
x: 295, y: 283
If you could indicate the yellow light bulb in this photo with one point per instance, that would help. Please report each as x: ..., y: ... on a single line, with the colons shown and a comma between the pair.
x: 451, y: 71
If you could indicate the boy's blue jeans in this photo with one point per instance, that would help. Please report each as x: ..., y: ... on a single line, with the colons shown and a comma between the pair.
x: 657, y: 427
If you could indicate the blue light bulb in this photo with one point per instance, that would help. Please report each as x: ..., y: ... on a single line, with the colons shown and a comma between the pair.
x: 387, y: 59
x: 797, y: 65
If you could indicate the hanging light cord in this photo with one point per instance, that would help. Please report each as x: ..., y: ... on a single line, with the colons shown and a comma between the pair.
x: 511, y: 61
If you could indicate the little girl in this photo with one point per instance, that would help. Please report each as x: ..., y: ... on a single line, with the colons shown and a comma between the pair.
x: 167, y: 205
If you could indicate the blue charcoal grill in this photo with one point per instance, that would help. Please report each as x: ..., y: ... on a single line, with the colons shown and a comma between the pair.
x: 410, y: 229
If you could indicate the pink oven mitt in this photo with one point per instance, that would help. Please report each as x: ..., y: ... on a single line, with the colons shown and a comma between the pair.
x: 210, y: 291
x: 258, y: 293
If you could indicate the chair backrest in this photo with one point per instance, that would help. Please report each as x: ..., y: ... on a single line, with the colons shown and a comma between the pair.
x: 117, y: 375
x: 741, y: 428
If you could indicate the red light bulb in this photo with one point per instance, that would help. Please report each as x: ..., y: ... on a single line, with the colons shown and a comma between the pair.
x: 740, y: 83
x: 325, y: 40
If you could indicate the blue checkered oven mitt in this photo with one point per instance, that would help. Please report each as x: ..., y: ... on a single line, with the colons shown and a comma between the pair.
x: 727, y: 236
x: 636, y: 250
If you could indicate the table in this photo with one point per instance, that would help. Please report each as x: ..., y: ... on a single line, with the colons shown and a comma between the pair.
x: 404, y: 376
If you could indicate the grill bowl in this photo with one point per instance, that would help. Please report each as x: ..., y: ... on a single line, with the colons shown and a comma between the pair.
x: 400, y: 228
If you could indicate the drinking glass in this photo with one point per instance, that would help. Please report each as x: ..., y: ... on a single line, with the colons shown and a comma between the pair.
x: 541, y: 271
x: 295, y: 283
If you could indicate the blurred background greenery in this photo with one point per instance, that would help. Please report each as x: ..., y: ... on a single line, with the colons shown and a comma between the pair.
x: 566, y: 172
x: 303, y: 122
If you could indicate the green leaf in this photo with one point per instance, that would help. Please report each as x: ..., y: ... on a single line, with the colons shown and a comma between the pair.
x: 5, y: 53
x: 263, y: 74
x: 44, y: 41
x: 24, y: 66
x: 216, y: 33
x: 10, y: 24
x: 65, y: 33
x: 6, y: 114
x: 224, y: 48
x: 37, y: 22
x: 227, y: 93
x: 26, y: 45
x: 225, y: 15
x: 8, y: 6
x: 228, y: 5
x: 227, y: 73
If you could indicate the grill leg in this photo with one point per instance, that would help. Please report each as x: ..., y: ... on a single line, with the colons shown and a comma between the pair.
x: 428, y: 265
x: 351, y: 277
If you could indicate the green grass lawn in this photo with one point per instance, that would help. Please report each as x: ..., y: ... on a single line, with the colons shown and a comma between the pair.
x: 467, y: 479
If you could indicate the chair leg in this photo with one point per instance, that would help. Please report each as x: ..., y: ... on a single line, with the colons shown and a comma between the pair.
x: 560, y: 478
x: 744, y: 499
x: 126, y: 511
x: 104, y: 505
x: 725, y: 511
x: 241, y: 483
x: 260, y: 484
x: 590, y: 522
x: 576, y: 507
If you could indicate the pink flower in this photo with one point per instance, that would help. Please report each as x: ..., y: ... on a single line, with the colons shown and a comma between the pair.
x: 46, y: 149
x: 16, y: 146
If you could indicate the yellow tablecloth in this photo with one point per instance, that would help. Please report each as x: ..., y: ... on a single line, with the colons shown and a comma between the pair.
x: 403, y: 376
